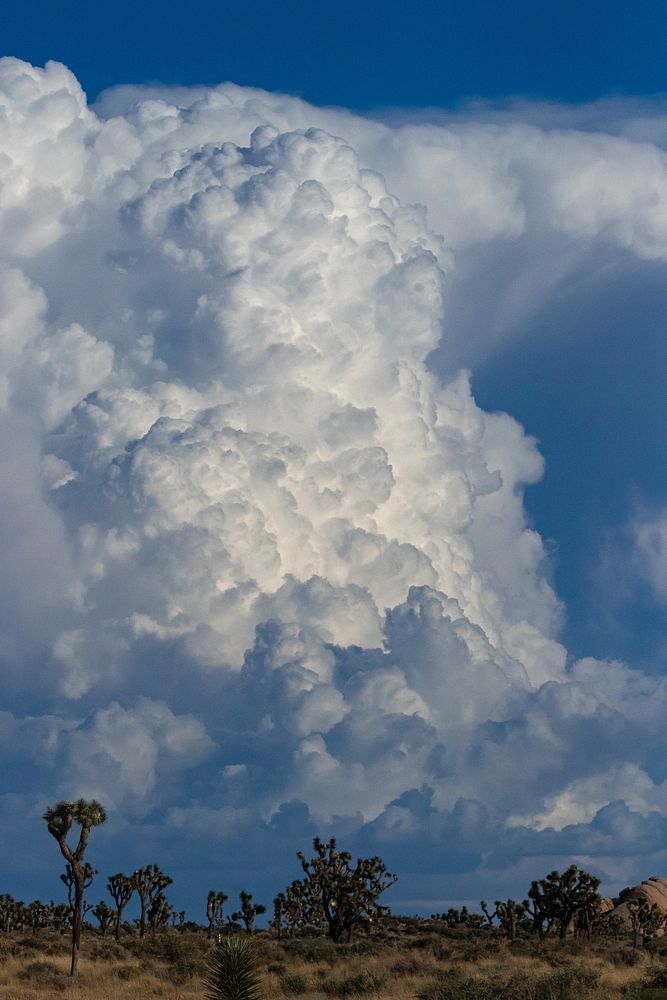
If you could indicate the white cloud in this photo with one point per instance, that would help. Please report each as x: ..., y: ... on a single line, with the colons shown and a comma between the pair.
x: 650, y: 544
x: 236, y: 485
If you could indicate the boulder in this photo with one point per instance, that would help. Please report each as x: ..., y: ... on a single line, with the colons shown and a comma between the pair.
x: 653, y: 890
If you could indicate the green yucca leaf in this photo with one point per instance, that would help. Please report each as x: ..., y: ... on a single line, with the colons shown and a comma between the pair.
x: 232, y: 972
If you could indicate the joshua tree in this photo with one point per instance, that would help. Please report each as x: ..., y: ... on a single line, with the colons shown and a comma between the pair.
x: 248, y: 911
x: 608, y: 925
x: 11, y: 913
x: 60, y: 818
x: 61, y: 915
x: 215, y: 902
x: 121, y: 889
x: 37, y: 915
x: 278, y: 910
x: 104, y: 915
x: 646, y: 919
x: 587, y: 916
x: 346, y: 896
x: 463, y: 917
x: 559, y: 898
x: 232, y: 971
x: 149, y: 883
x: 298, y: 907
x: 510, y: 915
x: 159, y: 912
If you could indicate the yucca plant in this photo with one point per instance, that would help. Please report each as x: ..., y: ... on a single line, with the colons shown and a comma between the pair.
x: 232, y: 971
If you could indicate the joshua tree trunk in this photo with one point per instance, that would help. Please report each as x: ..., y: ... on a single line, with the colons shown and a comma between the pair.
x: 77, y: 920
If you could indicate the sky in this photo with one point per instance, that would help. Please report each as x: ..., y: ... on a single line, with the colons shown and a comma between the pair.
x: 332, y: 424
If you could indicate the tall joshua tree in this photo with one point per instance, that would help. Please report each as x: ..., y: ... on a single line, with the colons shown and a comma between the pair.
x: 121, y: 889
x: 559, y: 898
x: 149, y: 883
x: 345, y: 895
x: 59, y: 819
x: 215, y: 902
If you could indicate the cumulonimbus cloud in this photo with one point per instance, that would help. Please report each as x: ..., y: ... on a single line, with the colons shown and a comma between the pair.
x: 252, y: 541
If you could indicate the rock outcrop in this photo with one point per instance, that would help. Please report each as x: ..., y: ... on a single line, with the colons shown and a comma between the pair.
x: 653, y: 890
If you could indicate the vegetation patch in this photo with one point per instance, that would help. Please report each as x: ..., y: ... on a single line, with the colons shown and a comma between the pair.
x: 44, y: 972
x: 293, y: 983
x: 362, y: 984
x: 571, y: 984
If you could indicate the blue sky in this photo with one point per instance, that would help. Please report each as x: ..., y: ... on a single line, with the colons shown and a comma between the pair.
x: 359, y: 55
x: 276, y: 564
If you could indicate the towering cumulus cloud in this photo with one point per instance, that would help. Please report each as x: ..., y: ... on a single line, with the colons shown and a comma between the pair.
x: 264, y: 572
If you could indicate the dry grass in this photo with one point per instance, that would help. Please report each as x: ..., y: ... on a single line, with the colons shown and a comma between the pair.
x: 398, y: 968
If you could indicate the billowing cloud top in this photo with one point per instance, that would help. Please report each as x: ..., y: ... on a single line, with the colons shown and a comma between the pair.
x: 264, y: 571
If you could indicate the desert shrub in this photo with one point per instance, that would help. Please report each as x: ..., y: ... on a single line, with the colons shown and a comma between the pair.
x: 628, y: 956
x: 361, y: 984
x: 651, y: 987
x: 312, y: 950
x: 564, y: 984
x: 632, y: 991
x: 106, y: 951
x: 10, y: 948
x: 567, y: 984
x: 478, y: 948
x: 126, y: 972
x: 424, y: 941
x: 639, y: 991
x: 457, y: 986
x: 441, y: 953
x: 657, y: 979
x: 32, y: 943
x: 185, y: 955
x: 43, y: 943
x: 410, y: 965
x: 526, y: 946
x: 293, y: 984
x: 432, y: 943
x: 43, y: 973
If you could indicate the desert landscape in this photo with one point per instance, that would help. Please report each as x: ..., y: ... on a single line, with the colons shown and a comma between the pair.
x: 404, y: 959
x: 333, y: 500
